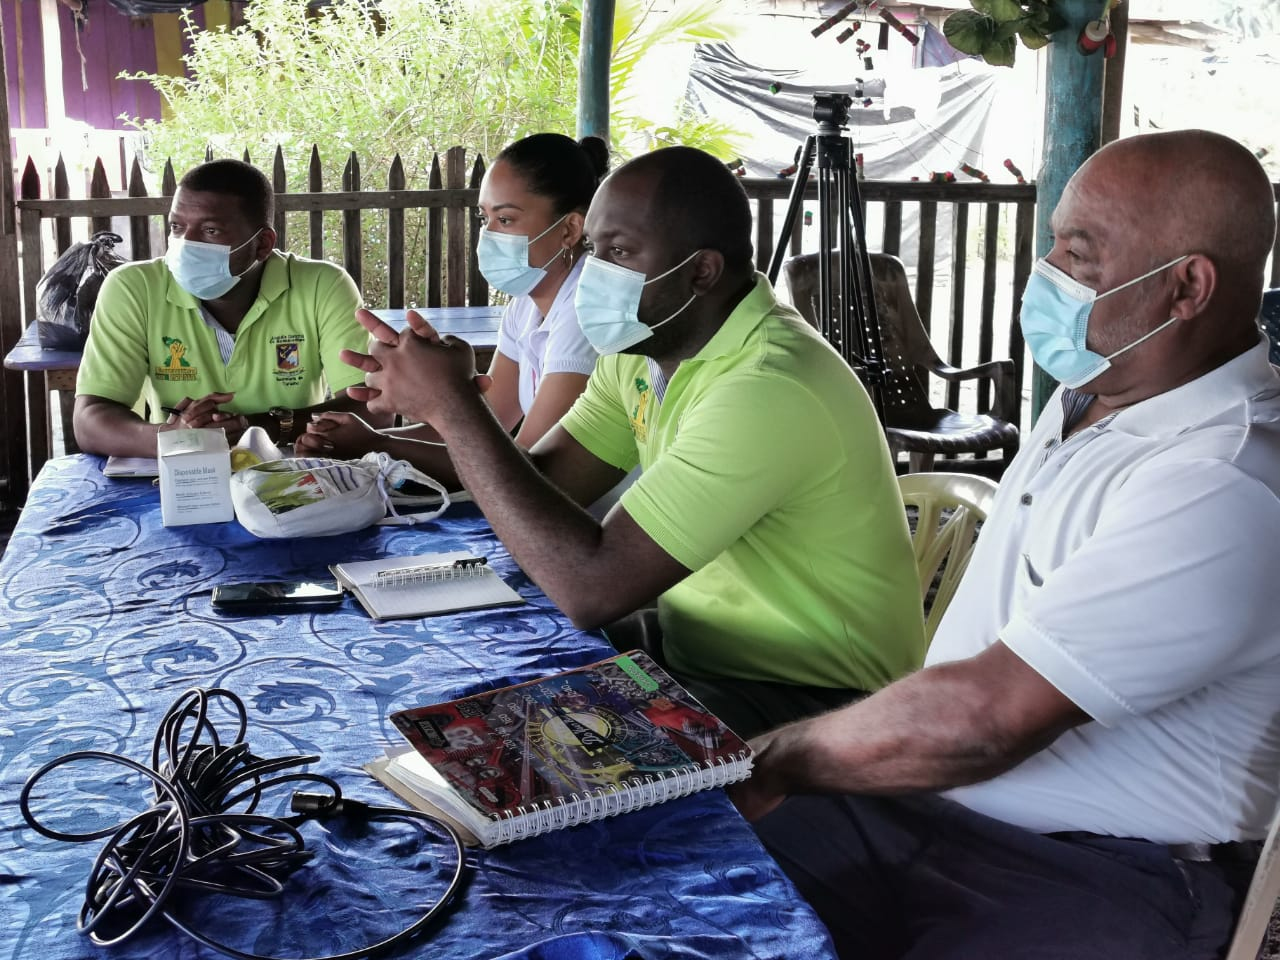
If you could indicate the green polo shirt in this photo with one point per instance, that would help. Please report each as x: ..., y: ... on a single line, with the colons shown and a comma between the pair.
x: 148, y: 339
x: 766, y: 473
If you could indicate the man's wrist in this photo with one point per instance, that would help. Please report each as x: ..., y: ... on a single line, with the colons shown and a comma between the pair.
x: 461, y: 413
x: 284, y: 420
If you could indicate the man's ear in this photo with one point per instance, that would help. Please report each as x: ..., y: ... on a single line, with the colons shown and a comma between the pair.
x: 1196, y: 279
x: 708, y: 268
x: 265, y: 244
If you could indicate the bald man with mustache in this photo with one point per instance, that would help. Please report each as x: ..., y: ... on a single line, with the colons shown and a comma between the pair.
x: 1090, y: 757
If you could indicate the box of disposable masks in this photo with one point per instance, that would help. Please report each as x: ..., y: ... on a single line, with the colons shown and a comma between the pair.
x: 195, y: 477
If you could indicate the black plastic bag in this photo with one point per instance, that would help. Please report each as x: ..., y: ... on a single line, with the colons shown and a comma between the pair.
x: 67, y: 293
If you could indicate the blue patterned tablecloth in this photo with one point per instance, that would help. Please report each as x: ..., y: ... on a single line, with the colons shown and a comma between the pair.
x: 105, y: 619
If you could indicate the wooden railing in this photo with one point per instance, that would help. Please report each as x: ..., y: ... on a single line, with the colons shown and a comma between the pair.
x: 984, y: 231
x: 976, y: 328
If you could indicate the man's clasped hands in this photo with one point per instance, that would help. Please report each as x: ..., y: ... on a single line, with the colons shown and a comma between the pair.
x: 416, y: 373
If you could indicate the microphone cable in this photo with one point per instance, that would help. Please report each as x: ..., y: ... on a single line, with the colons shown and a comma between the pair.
x: 202, y: 832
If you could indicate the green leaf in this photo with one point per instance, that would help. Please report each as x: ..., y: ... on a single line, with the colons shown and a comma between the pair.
x: 1000, y: 10
x: 1032, y: 38
x: 969, y: 31
x: 1006, y: 30
x: 1001, y: 53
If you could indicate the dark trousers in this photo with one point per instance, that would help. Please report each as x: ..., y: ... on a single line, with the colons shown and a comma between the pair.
x: 747, y: 707
x: 925, y: 878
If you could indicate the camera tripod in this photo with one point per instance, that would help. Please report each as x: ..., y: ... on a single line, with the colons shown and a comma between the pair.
x: 846, y: 305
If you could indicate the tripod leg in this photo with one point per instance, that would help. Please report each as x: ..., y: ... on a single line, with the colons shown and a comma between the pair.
x: 793, y: 209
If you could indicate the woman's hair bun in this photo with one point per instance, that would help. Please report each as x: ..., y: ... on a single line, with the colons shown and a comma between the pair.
x: 597, y: 152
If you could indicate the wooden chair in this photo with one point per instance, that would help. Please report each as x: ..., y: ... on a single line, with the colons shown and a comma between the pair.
x: 1260, y: 900
x: 1271, y: 321
x: 949, y: 507
x: 912, y: 424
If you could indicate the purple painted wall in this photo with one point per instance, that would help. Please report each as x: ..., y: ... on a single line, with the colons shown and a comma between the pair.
x: 25, y: 75
x: 111, y: 42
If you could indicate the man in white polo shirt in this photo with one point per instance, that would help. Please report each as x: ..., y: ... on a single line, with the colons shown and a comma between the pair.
x: 1087, y: 761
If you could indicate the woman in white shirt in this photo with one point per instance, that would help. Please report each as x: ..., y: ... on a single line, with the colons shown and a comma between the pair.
x: 533, y: 200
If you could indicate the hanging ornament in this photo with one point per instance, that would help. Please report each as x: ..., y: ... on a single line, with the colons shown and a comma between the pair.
x: 974, y: 172
x: 901, y: 27
x: 1096, y: 34
x: 835, y: 18
x: 1008, y: 165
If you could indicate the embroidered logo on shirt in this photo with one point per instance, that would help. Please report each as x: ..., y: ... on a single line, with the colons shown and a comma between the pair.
x: 639, y: 418
x: 175, y: 365
x: 288, y: 358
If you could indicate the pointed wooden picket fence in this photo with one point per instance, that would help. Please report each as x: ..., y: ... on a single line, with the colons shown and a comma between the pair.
x: 447, y: 275
x: 451, y: 275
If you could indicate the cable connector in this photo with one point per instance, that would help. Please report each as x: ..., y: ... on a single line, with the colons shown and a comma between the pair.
x: 323, y: 805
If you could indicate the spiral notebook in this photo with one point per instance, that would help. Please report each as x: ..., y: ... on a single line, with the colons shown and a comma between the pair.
x: 601, y: 740
x: 421, y: 586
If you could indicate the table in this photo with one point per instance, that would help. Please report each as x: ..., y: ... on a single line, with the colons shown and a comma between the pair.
x: 58, y: 368
x: 477, y: 325
x: 106, y: 620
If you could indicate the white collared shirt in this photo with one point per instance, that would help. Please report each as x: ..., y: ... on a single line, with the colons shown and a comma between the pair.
x: 542, y: 346
x: 1136, y: 566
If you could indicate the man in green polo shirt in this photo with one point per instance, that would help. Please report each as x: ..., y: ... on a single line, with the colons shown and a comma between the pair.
x: 766, y: 520
x: 224, y: 331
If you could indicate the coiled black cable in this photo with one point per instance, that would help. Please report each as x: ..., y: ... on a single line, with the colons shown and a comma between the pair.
x: 194, y: 838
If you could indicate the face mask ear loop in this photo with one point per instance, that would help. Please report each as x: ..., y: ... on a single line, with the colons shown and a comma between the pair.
x: 674, y: 269
x: 256, y: 261
x: 676, y: 314
x: 1146, y: 336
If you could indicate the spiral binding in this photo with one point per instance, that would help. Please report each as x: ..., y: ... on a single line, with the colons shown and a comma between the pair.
x: 461, y: 569
x: 534, y: 819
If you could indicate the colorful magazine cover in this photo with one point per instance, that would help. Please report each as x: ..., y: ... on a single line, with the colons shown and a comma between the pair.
x: 606, y: 726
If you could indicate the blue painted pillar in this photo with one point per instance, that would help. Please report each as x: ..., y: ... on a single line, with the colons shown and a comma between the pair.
x: 1072, y: 131
x: 595, y: 52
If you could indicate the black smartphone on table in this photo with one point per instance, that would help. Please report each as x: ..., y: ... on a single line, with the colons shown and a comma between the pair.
x: 281, y: 596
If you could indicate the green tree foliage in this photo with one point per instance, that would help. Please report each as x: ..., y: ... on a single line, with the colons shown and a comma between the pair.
x: 409, y: 78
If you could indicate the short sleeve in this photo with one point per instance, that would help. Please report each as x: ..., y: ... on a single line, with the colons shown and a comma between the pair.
x: 1172, y: 590
x: 737, y: 457
x: 115, y: 361
x: 598, y: 420
x: 509, y: 332
x: 337, y: 301
x: 567, y: 350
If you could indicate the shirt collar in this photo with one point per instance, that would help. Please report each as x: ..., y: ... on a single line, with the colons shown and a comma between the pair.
x: 746, y: 316
x: 1231, y: 385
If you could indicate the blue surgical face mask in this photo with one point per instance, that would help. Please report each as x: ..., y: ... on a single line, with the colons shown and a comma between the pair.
x: 204, y: 269
x: 608, y: 304
x: 504, y: 260
x: 1055, y: 323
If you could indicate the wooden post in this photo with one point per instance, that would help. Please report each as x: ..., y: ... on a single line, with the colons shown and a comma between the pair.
x: 1072, y: 132
x: 477, y: 285
x: 13, y: 462
x: 1113, y: 75
x: 595, y: 52
x: 395, y: 238
x: 455, y: 243
x: 352, y: 231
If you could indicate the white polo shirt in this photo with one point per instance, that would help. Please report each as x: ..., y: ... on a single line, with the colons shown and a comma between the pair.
x: 542, y: 346
x: 1136, y: 566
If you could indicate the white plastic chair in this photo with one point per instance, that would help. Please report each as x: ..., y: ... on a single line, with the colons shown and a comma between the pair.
x: 1260, y: 901
x: 944, y: 543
